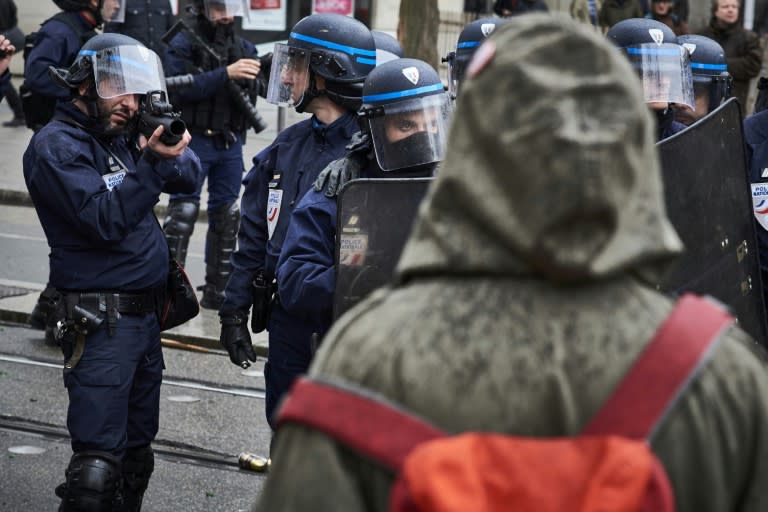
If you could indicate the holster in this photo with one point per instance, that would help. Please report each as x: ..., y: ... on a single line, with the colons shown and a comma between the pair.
x: 72, y: 327
x: 262, y: 292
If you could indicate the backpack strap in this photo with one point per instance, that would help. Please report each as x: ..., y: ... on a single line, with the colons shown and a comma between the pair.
x: 84, y: 33
x: 679, y: 349
x: 358, y: 419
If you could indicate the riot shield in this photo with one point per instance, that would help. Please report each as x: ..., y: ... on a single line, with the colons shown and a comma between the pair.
x: 708, y: 199
x: 373, y: 223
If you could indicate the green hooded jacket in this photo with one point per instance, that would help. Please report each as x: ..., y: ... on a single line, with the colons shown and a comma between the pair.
x: 521, y: 298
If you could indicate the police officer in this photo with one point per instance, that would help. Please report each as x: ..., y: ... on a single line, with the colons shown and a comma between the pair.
x: 470, y: 38
x: 94, y: 193
x: 218, y: 125
x: 662, y: 65
x: 56, y: 44
x: 7, y: 50
x: 144, y: 20
x: 405, y: 115
x: 711, y: 80
x: 320, y: 70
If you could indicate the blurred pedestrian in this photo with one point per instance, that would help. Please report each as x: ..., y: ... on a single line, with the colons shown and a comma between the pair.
x: 587, y: 11
x: 9, y: 27
x: 94, y: 191
x: 743, y: 49
x: 524, y: 294
x: 614, y: 11
x: 507, y: 8
x: 663, y: 11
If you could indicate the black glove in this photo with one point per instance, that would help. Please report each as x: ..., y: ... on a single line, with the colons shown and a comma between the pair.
x: 345, y: 169
x: 236, y: 339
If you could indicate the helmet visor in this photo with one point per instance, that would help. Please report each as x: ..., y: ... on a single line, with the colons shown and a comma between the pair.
x: 411, y: 132
x: 665, y: 71
x: 222, y: 9
x: 290, y: 75
x: 127, y: 70
x: 113, y: 11
x: 457, y: 67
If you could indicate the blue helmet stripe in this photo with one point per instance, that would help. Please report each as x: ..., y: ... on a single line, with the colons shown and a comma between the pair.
x: 713, y: 67
x: 654, y: 51
x: 468, y: 44
x: 403, y: 94
x: 334, y: 46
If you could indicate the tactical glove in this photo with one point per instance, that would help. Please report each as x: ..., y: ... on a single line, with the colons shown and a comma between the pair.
x: 345, y: 169
x: 236, y: 339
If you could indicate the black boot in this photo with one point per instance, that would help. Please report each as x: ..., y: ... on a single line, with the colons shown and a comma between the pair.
x: 219, y: 245
x: 178, y: 226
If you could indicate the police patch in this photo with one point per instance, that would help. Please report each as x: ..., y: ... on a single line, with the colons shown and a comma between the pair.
x: 487, y: 28
x: 113, y: 179
x: 274, y: 201
x: 760, y: 203
x: 352, y: 249
x: 657, y: 35
x: 412, y: 74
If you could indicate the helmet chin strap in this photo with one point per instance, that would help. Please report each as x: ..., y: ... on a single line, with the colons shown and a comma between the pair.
x: 311, y: 93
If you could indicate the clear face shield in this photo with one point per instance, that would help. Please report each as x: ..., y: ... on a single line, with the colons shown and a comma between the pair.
x: 113, y: 11
x: 290, y: 75
x: 127, y: 70
x: 224, y: 9
x: 457, y: 67
x: 411, y: 132
x: 665, y: 71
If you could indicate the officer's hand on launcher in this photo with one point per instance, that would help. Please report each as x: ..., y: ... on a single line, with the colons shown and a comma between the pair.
x: 6, y: 52
x: 244, y: 68
x: 161, y: 149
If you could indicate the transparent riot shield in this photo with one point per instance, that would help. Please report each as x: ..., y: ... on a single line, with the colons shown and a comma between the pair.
x: 708, y: 200
x: 374, y: 220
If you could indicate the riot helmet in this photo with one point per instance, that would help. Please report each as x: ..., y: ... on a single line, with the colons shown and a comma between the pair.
x: 471, y: 36
x: 339, y: 49
x: 407, y: 112
x: 387, y: 47
x: 80, y: 5
x: 711, y: 80
x: 116, y: 64
x: 662, y: 65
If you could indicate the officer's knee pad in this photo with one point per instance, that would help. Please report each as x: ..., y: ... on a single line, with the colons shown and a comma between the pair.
x: 181, y: 217
x: 226, y: 220
x: 93, y: 483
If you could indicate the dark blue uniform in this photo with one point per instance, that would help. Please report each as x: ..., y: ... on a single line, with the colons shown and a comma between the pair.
x: 282, y: 173
x: 217, y: 127
x: 756, y: 139
x: 146, y: 21
x: 57, y: 45
x: 105, y: 239
x: 5, y: 81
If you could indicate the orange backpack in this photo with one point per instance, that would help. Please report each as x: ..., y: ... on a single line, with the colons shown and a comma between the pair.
x: 608, y: 467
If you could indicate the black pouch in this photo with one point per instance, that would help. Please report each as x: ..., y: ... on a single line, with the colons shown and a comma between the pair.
x: 180, y: 302
x: 262, y: 301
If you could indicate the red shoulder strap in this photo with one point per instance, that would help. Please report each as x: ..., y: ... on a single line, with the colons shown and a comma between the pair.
x: 367, y: 424
x: 663, y: 370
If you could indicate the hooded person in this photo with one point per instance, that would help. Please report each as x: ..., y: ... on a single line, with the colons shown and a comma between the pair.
x: 525, y: 290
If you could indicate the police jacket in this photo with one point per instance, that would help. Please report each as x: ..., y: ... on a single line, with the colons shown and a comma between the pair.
x: 146, y: 21
x: 756, y: 139
x: 743, y: 54
x: 100, y: 226
x: 306, y: 275
x: 281, y: 174
x: 57, y: 45
x: 208, y: 104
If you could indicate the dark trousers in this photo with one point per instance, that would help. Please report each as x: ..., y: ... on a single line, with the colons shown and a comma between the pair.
x: 14, y: 101
x: 114, y: 391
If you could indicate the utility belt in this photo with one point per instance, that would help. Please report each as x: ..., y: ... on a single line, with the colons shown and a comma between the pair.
x: 222, y: 139
x: 81, y: 313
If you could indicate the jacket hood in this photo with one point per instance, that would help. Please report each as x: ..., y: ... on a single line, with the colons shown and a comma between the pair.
x: 551, y: 169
